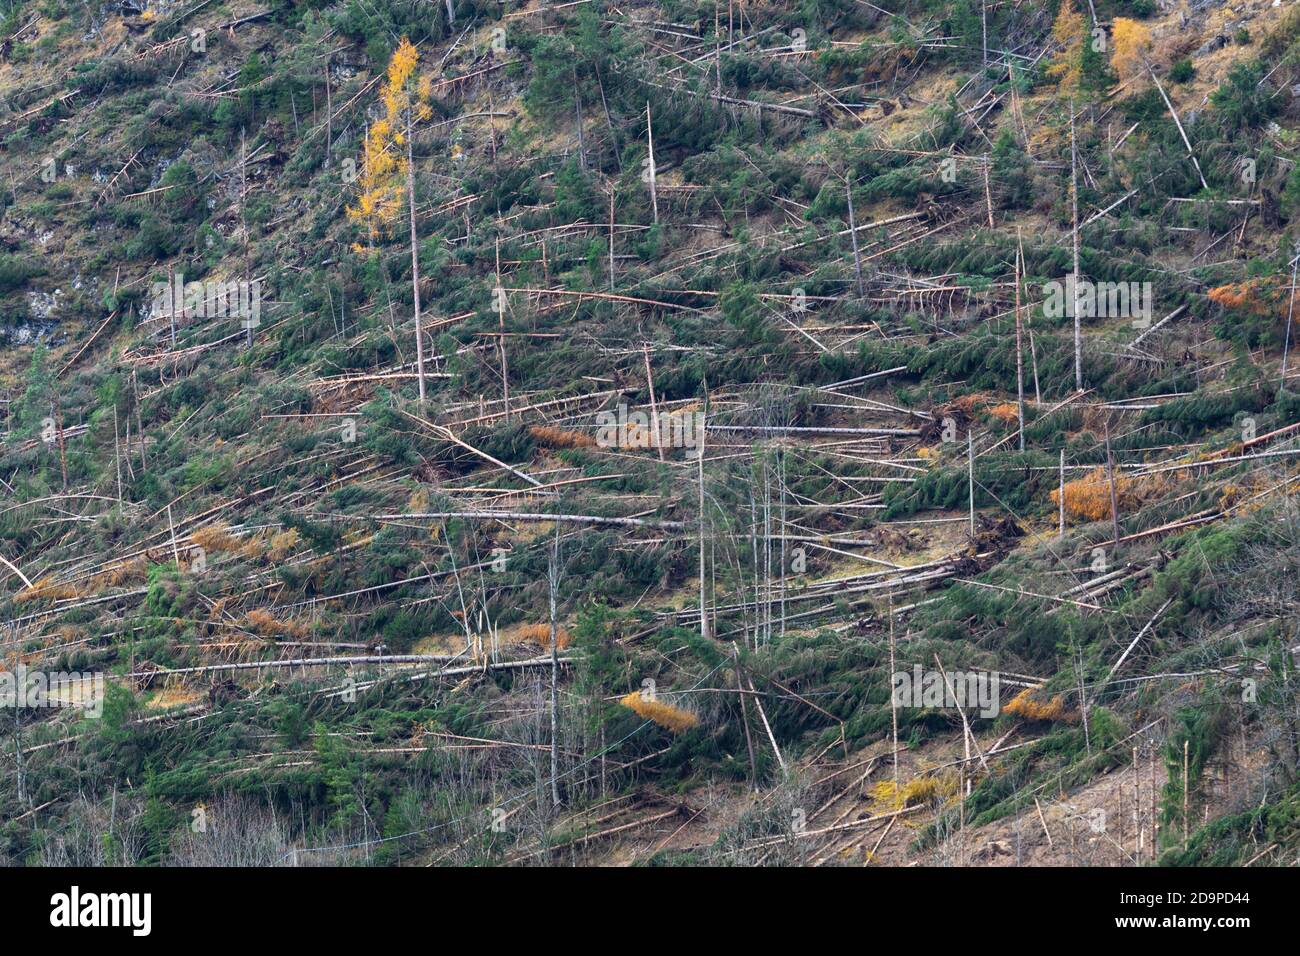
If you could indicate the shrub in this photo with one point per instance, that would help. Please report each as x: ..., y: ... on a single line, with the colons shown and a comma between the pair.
x: 665, y: 715
x: 1182, y: 71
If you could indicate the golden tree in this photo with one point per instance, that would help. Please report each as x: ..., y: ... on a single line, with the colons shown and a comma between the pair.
x: 387, y: 176
x: 1069, y: 32
x: 1130, y: 41
x: 382, y: 180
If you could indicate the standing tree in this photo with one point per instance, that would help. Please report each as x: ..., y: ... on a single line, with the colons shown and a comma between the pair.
x: 1130, y: 41
x: 553, y: 591
x: 1068, y: 31
x: 387, y: 177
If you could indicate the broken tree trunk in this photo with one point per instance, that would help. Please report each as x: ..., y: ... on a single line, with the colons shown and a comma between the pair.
x: 650, y: 168
x: 1177, y: 122
x: 415, y: 258
x: 528, y: 516
x: 1074, y: 219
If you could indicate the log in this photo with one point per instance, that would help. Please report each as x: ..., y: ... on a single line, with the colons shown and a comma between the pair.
x: 302, y: 662
x: 1123, y: 657
x: 447, y: 434
x: 1179, y: 124
x: 530, y: 516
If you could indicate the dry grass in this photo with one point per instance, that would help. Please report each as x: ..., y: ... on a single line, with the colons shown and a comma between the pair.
x: 560, y: 438
x: 47, y: 589
x: 282, y: 544
x: 927, y: 788
x: 1089, y: 497
x: 265, y: 624
x: 216, y: 538
x: 539, y: 634
x: 133, y: 571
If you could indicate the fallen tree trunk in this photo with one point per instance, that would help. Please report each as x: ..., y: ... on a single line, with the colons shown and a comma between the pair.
x: 528, y: 516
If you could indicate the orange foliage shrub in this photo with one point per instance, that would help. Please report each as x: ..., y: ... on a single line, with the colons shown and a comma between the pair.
x: 665, y: 715
x: 540, y: 634
x: 560, y: 438
x: 1006, y: 412
x: 265, y: 623
x: 1258, y: 296
x: 1023, y: 705
x: 48, y: 589
x: 1089, y: 497
x: 215, y: 538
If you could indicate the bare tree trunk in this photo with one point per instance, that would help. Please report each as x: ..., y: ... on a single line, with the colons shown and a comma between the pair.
x: 704, y: 611
x: 988, y: 195
x: 63, y: 454
x: 753, y: 548
x: 782, y: 519
x: 1290, y: 312
x: 853, y: 235
x: 501, y: 339
x: 611, y: 237
x: 553, y: 580
x: 1114, y: 497
x: 1074, y: 219
x: 654, y: 406
x: 329, y: 114
x: 139, y: 420
x: 1137, y: 810
x: 893, y: 702
x: 1061, y: 504
x: 1020, y: 362
x: 744, y: 718
x: 415, y: 260
x: 970, y: 474
x: 577, y: 119
x: 243, y: 220
x: 650, y: 146
x: 984, y: 30
x: 717, y: 51
x: 18, y: 747
x: 117, y: 455
x: 1177, y: 122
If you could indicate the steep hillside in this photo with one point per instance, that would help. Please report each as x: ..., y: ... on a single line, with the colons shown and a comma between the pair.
x: 537, y: 434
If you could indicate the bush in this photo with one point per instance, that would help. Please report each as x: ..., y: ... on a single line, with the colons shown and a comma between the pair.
x: 1182, y: 71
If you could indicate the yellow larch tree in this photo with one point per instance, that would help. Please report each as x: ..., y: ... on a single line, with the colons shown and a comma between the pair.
x: 388, y: 177
x: 1069, y: 32
x: 1130, y: 41
x: 381, y: 182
